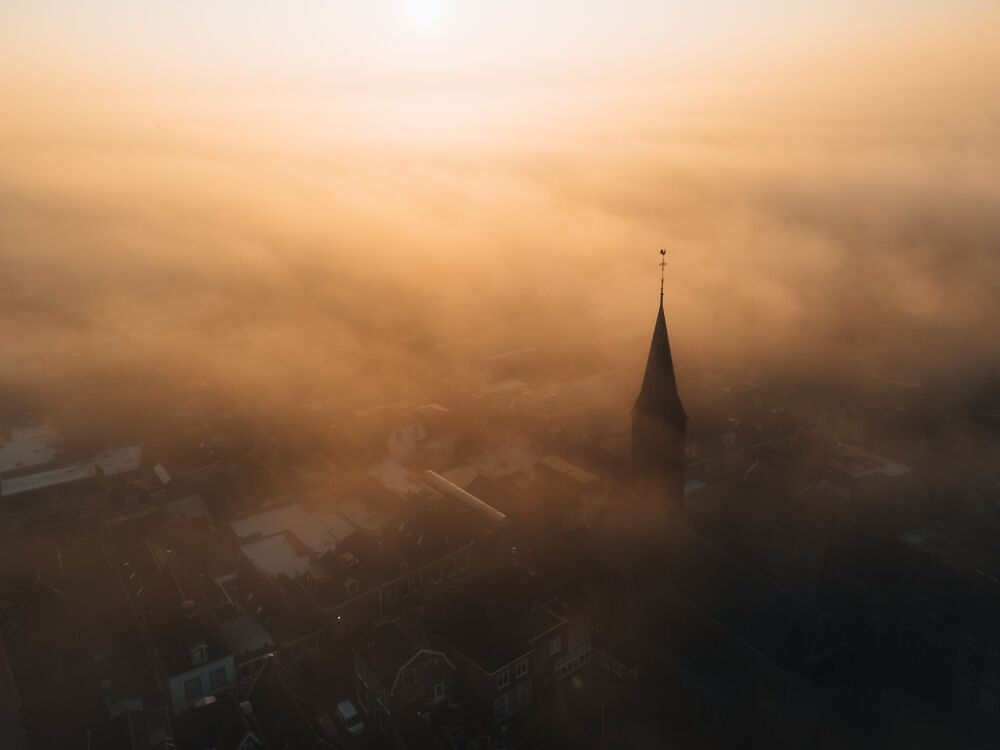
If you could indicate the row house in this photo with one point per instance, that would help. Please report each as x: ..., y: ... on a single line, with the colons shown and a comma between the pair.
x: 399, y: 668
x: 505, y: 646
x: 157, y: 563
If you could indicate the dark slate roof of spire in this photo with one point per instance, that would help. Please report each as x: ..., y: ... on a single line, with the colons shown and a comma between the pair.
x: 658, y: 396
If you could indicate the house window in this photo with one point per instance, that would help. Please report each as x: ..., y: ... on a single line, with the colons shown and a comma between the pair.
x: 431, y: 666
x: 217, y: 678
x: 409, y: 678
x: 199, y: 653
x: 503, y: 679
x: 555, y: 643
x: 521, y: 669
x: 438, y: 692
x: 513, y: 701
x: 192, y: 687
x: 572, y: 661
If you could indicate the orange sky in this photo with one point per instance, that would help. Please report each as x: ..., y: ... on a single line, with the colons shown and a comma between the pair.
x: 788, y: 153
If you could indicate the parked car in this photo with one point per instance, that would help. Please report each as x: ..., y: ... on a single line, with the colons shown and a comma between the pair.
x: 350, y: 718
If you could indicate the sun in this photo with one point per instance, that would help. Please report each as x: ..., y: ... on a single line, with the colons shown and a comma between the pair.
x: 426, y: 14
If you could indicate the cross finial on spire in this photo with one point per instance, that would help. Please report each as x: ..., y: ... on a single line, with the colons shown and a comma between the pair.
x: 663, y: 263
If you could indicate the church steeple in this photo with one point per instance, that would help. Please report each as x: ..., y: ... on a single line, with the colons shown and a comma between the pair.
x: 659, y: 421
x: 658, y: 396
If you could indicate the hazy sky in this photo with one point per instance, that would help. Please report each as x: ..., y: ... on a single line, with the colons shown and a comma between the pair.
x: 494, y: 168
x: 427, y: 41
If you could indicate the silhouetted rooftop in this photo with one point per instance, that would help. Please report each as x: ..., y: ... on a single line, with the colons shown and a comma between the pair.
x: 387, y: 648
x: 495, y: 619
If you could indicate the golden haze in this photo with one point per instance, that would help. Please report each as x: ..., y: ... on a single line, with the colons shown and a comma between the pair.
x: 298, y: 225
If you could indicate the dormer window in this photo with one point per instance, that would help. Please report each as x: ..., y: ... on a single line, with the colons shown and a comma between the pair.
x: 198, y: 651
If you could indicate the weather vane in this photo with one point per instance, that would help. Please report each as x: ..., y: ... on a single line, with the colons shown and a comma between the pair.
x: 663, y: 263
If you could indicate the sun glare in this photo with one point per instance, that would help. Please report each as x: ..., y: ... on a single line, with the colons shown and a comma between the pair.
x: 425, y: 14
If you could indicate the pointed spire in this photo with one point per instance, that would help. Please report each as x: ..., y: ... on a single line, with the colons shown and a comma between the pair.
x: 658, y: 396
x: 663, y: 264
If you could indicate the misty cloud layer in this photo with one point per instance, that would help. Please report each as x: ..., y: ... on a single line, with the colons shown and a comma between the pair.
x: 378, y: 243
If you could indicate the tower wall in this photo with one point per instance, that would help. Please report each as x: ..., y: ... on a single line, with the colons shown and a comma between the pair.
x: 658, y: 460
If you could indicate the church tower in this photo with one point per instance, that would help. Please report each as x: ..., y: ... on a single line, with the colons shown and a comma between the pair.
x: 658, y: 424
